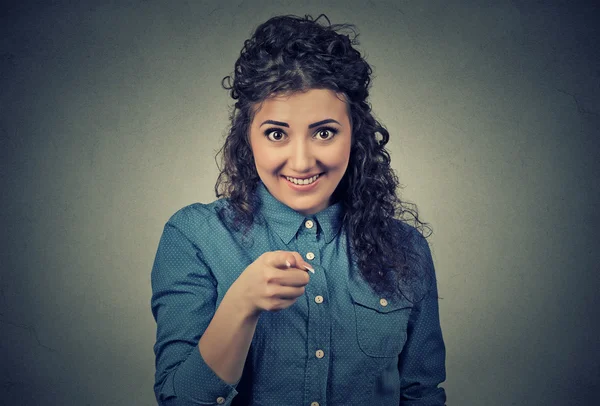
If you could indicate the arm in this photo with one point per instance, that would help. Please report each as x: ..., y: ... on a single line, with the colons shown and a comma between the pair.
x: 226, y: 341
x: 422, y: 361
x: 190, y: 370
x: 200, y: 352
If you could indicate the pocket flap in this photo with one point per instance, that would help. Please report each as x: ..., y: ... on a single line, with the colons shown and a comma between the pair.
x: 362, y: 294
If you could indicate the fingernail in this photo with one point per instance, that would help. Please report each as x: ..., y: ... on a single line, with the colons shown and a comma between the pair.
x: 287, y: 263
x: 309, y: 268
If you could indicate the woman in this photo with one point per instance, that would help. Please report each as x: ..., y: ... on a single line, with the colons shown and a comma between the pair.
x: 303, y: 284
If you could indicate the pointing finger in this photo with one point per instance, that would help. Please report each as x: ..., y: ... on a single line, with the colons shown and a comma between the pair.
x: 302, y: 263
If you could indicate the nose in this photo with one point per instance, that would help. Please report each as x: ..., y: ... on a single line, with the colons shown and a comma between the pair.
x: 302, y: 159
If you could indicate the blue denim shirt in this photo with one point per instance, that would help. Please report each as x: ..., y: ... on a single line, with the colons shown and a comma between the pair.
x: 339, y: 344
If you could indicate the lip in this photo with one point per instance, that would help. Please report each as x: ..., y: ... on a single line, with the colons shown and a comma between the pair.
x: 303, y: 188
x: 306, y: 177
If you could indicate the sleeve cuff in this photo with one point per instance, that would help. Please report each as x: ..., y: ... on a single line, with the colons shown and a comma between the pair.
x: 196, y: 381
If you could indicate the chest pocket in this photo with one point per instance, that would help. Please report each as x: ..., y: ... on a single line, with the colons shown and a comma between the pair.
x: 380, y: 322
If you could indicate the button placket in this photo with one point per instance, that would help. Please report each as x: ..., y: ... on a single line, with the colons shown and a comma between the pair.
x: 318, y: 333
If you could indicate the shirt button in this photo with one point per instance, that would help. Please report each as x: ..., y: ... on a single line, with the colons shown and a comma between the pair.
x: 314, y: 404
x: 310, y: 255
x: 309, y: 224
x: 383, y: 302
x: 220, y: 400
x: 320, y: 354
x: 319, y: 299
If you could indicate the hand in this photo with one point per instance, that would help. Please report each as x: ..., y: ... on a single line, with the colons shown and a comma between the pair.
x: 269, y: 284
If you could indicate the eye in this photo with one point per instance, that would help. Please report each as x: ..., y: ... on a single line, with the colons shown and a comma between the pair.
x: 274, y: 134
x: 326, y: 133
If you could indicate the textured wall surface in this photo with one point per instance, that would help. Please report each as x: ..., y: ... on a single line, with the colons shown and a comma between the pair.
x: 110, y: 116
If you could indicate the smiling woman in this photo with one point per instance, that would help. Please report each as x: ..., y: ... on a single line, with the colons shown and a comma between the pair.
x: 305, y: 186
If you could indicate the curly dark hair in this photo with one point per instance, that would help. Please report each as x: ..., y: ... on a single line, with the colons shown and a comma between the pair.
x: 289, y: 54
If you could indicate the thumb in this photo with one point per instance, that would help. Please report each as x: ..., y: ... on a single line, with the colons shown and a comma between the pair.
x: 282, y: 259
x: 290, y: 260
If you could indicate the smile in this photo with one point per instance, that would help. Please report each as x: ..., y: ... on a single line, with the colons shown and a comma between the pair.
x: 303, y: 181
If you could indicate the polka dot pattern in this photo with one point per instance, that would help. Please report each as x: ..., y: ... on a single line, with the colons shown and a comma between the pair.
x: 340, y: 344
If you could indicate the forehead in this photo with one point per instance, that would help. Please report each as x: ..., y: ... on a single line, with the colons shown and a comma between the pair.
x: 304, y: 106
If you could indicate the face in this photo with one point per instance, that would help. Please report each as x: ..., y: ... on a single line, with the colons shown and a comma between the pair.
x: 301, y: 146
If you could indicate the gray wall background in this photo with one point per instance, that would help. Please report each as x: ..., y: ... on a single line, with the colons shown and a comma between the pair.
x: 110, y: 116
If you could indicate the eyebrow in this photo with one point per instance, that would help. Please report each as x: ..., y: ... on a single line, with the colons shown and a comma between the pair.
x: 318, y: 123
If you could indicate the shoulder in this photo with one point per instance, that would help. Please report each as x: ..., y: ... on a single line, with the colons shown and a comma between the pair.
x: 410, y: 238
x: 195, y: 217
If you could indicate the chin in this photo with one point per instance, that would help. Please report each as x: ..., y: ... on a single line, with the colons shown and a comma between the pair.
x: 312, y: 204
x: 310, y: 209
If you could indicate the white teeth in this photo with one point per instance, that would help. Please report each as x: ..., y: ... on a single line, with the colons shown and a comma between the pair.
x: 302, y: 181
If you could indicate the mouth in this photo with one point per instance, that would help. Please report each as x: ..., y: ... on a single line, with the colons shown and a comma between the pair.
x: 303, y: 181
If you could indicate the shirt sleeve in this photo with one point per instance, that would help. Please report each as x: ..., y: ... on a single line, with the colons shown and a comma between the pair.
x: 423, y: 358
x: 183, y: 303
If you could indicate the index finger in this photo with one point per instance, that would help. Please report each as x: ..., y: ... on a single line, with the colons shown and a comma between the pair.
x: 288, y: 259
x: 301, y: 263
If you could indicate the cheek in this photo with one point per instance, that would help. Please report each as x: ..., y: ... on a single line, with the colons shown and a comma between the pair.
x: 266, y: 161
x: 340, y: 156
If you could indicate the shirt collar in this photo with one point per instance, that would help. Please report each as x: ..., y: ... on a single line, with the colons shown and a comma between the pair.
x: 285, y: 221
